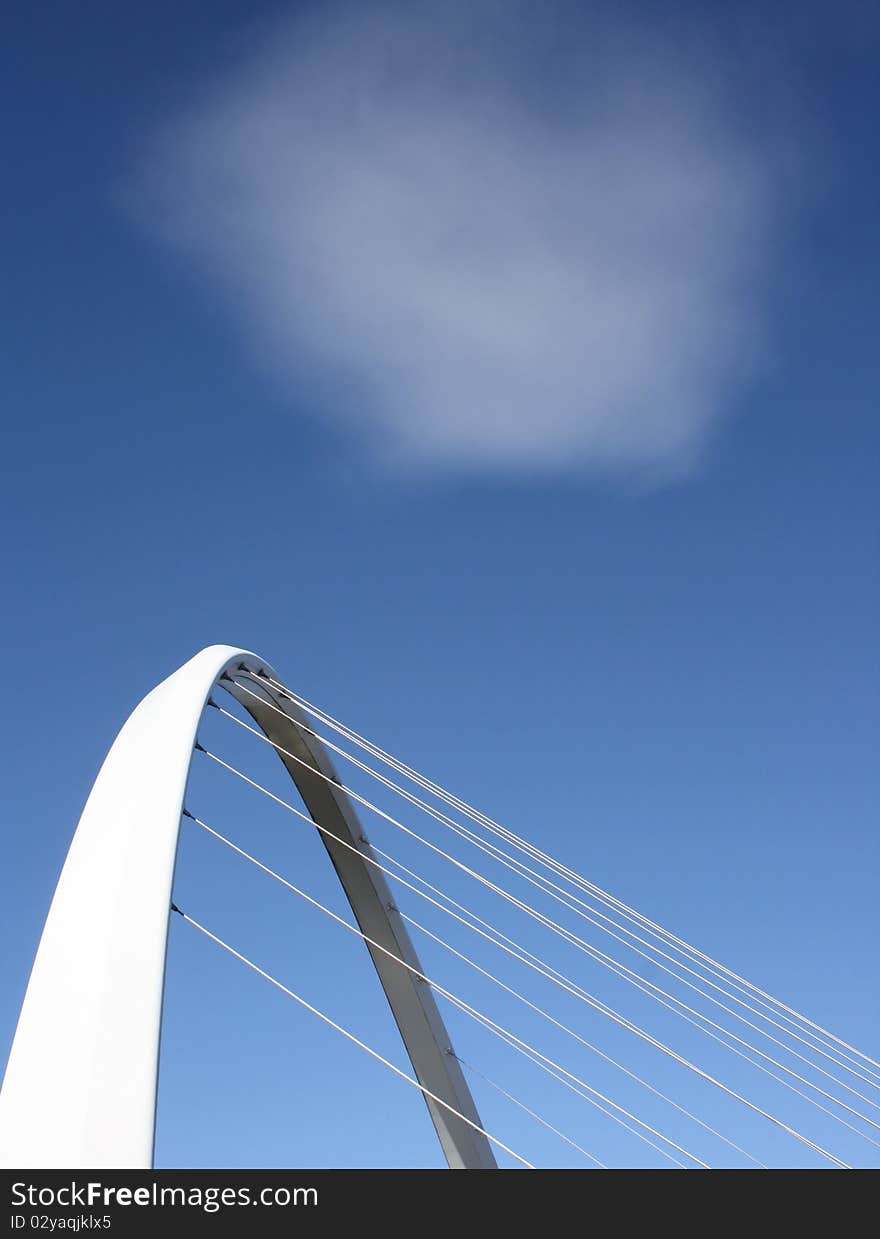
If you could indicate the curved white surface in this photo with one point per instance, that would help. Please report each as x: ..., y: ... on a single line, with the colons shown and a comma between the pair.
x: 80, y: 1084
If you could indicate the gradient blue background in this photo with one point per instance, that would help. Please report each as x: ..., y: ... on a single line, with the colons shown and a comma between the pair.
x: 675, y: 690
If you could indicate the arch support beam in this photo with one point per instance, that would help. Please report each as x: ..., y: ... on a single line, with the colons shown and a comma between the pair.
x: 80, y: 1084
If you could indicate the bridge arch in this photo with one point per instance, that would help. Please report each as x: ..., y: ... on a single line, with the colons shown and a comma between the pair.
x: 80, y: 1084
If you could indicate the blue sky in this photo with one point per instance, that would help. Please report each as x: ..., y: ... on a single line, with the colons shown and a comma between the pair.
x: 507, y: 381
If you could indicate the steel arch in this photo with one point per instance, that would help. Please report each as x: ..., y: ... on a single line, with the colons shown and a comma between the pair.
x: 80, y: 1084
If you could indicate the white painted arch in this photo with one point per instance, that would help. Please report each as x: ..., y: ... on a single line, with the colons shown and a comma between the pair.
x: 80, y: 1084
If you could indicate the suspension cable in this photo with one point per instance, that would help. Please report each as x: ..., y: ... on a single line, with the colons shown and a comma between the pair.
x: 475, y: 1014
x: 557, y: 893
x: 537, y: 1117
x: 590, y: 999
x: 667, y: 936
x: 656, y: 992
x: 576, y: 1036
x: 524, y: 956
x: 350, y: 1036
x: 442, y: 942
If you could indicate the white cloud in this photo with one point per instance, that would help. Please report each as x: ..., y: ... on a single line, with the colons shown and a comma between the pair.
x: 527, y: 246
